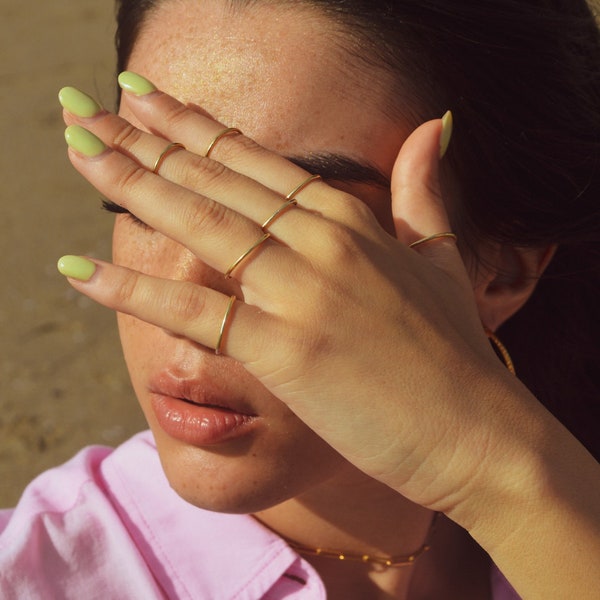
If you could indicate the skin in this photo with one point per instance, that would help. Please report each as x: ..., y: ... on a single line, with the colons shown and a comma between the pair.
x: 284, y: 472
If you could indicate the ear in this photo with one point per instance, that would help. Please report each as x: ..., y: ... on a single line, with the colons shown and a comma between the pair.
x: 507, y: 281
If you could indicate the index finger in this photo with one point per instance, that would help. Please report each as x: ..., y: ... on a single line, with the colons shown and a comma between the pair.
x: 173, y: 120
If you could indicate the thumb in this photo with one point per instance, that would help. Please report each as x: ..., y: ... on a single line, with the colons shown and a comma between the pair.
x: 417, y: 205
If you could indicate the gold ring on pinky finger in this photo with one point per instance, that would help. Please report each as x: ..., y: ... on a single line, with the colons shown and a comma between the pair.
x: 300, y: 187
x: 220, y: 135
x: 163, y: 155
x: 254, y: 246
x: 430, y: 238
x: 223, y: 327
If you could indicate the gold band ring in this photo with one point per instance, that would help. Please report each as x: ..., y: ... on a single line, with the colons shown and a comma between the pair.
x: 170, y: 148
x: 232, y: 300
x: 254, y: 246
x: 300, y: 187
x: 221, y: 134
x: 283, y: 208
x: 435, y: 236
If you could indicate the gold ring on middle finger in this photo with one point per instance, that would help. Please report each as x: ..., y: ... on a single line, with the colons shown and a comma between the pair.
x: 254, y: 246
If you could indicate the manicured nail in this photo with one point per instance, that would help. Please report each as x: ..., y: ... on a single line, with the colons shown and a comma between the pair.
x: 446, y: 133
x: 136, y: 84
x: 78, y: 103
x: 76, y: 267
x: 84, y: 141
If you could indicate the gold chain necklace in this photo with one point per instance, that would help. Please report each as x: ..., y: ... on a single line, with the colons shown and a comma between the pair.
x: 383, y: 561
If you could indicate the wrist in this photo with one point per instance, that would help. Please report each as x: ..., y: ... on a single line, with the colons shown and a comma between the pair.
x: 535, y: 506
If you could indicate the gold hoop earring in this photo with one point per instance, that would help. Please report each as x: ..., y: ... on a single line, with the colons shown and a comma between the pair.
x: 501, y: 350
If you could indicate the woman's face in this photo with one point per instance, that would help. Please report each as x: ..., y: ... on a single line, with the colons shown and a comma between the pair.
x: 279, y: 75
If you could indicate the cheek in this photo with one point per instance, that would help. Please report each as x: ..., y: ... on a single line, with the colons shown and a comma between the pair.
x: 143, y: 249
x: 137, y: 338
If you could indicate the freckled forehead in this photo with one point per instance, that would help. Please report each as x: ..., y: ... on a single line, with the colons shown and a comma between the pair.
x: 262, y: 66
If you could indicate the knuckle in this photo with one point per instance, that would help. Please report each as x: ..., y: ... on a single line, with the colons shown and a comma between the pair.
x: 202, y: 174
x: 234, y: 148
x: 127, y: 136
x: 358, y: 211
x: 175, y: 115
x: 341, y: 246
x: 350, y: 210
x: 127, y: 292
x: 188, y: 303
x: 202, y: 217
x: 129, y: 178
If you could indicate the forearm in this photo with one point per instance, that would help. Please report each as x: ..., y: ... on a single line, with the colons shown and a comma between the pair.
x: 541, y: 524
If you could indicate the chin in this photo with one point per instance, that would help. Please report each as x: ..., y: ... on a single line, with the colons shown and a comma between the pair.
x: 235, y: 480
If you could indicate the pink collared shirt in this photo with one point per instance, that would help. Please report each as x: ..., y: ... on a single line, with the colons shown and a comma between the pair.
x: 107, y: 525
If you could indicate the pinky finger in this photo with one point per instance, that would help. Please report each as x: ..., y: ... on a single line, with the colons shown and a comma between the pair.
x: 181, y: 307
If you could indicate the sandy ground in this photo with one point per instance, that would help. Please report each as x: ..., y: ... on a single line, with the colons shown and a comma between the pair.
x: 63, y: 384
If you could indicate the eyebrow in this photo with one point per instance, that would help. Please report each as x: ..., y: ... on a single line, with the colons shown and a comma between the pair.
x: 338, y: 167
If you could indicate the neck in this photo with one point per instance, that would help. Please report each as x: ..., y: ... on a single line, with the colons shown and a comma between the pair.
x: 354, y: 514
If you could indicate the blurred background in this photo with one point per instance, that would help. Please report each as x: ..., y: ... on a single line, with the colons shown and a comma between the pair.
x: 63, y: 384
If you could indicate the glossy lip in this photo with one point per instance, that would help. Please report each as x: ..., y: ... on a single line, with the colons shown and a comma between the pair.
x: 198, y: 411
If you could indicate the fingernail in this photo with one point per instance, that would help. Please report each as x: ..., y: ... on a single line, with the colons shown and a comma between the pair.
x: 78, y: 103
x: 84, y: 141
x: 136, y: 84
x: 76, y: 267
x: 446, y: 133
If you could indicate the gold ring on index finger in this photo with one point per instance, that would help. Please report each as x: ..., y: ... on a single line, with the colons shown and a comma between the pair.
x: 219, y: 136
x: 163, y: 155
x: 435, y: 236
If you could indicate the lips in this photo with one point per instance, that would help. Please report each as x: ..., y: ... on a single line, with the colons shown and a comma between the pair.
x: 199, y: 411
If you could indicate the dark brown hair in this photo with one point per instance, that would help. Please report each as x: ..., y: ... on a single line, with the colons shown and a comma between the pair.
x: 522, y: 78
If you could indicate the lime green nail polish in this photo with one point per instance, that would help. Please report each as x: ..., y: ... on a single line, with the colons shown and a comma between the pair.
x: 136, y: 84
x: 84, y: 141
x: 76, y: 267
x: 78, y: 103
x: 446, y: 134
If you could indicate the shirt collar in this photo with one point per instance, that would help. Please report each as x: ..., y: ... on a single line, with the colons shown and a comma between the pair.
x: 191, y: 552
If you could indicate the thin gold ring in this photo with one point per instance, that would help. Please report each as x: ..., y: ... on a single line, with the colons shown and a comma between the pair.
x: 163, y: 155
x: 232, y: 300
x: 435, y: 236
x: 283, y: 208
x: 300, y: 187
x: 221, y: 134
x: 254, y: 246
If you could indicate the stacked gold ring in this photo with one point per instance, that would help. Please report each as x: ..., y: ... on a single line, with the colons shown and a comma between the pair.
x: 232, y: 300
x: 163, y: 155
x: 290, y: 201
x: 219, y: 136
x: 254, y: 246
